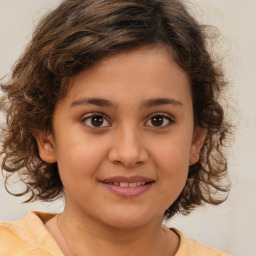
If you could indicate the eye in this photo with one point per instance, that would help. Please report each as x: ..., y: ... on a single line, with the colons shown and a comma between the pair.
x: 96, y: 120
x: 159, y: 120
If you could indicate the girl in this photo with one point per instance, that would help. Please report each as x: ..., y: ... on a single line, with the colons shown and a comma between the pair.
x: 115, y: 105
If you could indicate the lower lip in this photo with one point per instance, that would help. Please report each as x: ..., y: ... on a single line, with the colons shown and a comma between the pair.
x: 128, y: 191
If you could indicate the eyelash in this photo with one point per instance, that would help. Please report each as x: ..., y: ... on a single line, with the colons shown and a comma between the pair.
x: 92, y: 115
x: 164, y: 116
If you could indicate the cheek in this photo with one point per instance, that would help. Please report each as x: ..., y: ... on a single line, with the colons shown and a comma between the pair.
x: 80, y: 159
x: 172, y: 176
x: 174, y: 152
x: 173, y: 166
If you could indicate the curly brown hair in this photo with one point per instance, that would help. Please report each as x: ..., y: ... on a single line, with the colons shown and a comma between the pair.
x: 78, y: 34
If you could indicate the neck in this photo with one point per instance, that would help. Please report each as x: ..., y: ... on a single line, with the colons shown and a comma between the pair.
x: 86, y: 236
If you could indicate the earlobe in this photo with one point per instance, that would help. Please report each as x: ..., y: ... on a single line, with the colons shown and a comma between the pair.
x: 45, y: 143
x: 197, y: 143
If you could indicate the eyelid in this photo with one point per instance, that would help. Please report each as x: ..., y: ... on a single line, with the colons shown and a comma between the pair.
x: 93, y: 114
x: 165, y: 115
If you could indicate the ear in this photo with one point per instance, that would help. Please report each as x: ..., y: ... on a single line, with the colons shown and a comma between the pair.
x: 45, y: 143
x: 197, y: 143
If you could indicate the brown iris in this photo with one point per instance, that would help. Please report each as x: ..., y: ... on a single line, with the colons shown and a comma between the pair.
x: 97, y: 121
x: 157, y: 120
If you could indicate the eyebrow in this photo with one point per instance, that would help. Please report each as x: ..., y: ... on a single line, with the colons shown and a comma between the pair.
x: 94, y: 101
x: 161, y: 101
x: 106, y: 103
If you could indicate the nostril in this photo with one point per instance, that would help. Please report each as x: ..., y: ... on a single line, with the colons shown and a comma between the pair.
x: 128, y: 156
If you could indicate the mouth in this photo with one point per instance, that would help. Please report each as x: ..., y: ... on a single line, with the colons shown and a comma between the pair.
x: 128, y: 186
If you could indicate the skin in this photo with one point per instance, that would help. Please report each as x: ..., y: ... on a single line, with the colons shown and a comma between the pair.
x: 128, y: 142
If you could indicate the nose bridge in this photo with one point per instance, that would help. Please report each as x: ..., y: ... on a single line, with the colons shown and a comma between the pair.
x: 128, y: 147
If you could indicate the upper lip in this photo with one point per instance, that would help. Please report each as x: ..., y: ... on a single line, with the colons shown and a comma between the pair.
x: 131, y: 179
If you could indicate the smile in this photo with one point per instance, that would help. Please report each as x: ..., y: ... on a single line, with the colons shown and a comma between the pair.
x: 127, y: 186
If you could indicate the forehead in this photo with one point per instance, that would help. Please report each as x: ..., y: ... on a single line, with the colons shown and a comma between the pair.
x: 139, y: 74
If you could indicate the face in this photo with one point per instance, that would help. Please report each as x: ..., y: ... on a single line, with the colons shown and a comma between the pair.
x: 124, y: 138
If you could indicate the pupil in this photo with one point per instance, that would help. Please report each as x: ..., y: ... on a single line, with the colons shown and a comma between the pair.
x: 157, y: 120
x: 97, y: 121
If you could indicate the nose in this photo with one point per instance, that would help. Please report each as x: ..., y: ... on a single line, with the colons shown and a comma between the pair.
x: 128, y: 148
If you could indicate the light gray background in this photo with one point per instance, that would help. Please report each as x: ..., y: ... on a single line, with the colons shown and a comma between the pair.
x: 231, y: 226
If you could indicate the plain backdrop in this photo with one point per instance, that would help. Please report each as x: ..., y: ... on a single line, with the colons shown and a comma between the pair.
x: 232, y: 226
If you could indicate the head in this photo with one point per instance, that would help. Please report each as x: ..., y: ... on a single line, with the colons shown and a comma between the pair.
x: 79, y: 35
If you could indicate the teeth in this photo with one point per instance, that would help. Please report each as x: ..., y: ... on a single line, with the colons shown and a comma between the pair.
x: 124, y: 184
x: 140, y: 183
x: 130, y: 185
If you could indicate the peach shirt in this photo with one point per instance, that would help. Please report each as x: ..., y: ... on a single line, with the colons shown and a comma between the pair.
x: 29, y: 237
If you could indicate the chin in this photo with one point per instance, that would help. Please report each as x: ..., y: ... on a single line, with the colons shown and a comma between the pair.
x: 128, y: 220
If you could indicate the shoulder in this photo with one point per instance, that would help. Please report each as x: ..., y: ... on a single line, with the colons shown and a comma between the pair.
x: 27, y: 236
x: 192, y: 247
